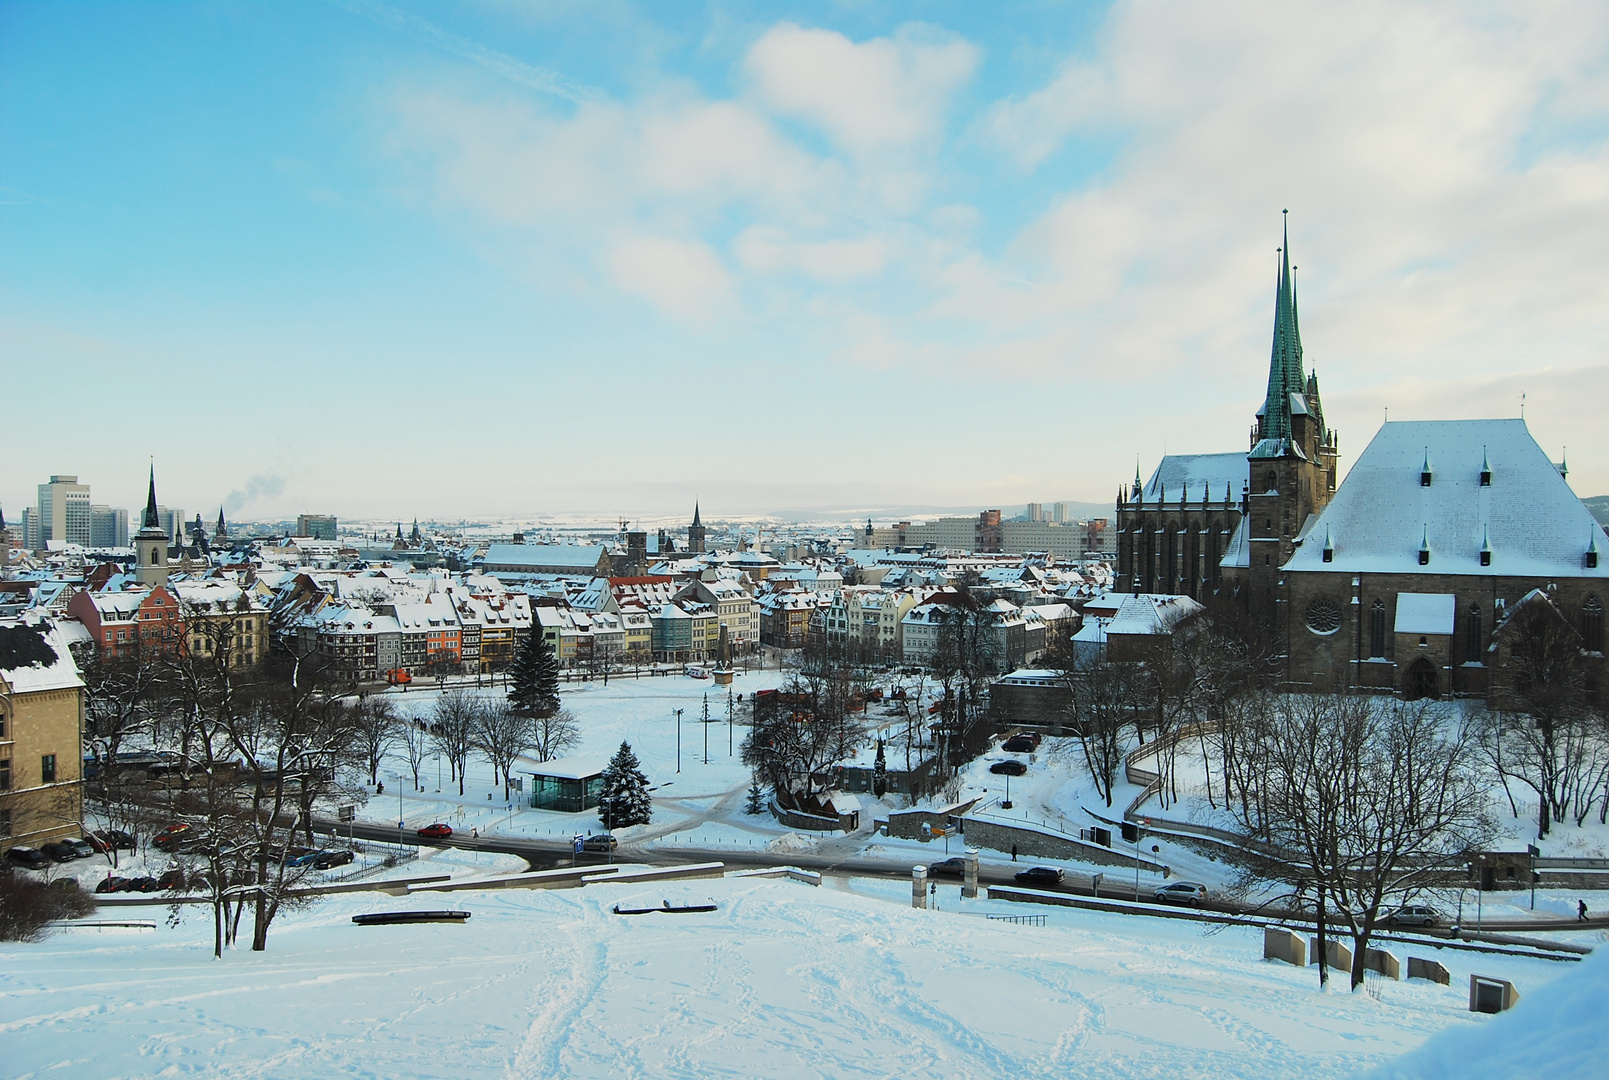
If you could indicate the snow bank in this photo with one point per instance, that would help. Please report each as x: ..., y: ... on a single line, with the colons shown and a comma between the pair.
x: 1557, y: 1031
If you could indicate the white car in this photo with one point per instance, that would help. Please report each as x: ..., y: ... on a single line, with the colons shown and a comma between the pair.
x: 1183, y: 892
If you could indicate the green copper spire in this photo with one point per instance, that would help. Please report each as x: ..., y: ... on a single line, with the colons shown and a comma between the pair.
x: 1285, y: 376
x: 150, y: 521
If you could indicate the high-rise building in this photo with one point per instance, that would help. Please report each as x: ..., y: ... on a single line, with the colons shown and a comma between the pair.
x: 1036, y: 512
x: 171, y: 520
x: 1062, y: 513
x: 63, y: 512
x: 107, y: 527
x: 321, y: 526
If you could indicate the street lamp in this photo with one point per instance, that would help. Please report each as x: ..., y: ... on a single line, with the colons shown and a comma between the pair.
x: 678, y: 740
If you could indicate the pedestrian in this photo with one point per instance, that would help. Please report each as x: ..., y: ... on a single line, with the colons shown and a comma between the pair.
x: 1581, y: 911
x: 474, y: 832
x: 379, y: 789
x: 1013, y: 852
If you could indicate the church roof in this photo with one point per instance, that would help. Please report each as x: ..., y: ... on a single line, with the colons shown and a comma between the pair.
x: 1384, y: 514
x: 1191, y: 474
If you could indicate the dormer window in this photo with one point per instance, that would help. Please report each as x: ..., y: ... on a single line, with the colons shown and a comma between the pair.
x: 1486, y: 557
x: 1424, y: 470
x: 1424, y: 548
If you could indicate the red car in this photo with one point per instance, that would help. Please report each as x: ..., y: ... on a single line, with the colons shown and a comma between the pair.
x: 438, y: 831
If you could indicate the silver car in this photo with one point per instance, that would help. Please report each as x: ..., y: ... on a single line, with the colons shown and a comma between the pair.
x: 1414, y: 915
x: 1183, y: 892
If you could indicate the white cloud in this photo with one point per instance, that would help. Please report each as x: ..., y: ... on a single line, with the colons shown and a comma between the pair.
x: 683, y: 279
x: 770, y: 250
x: 867, y: 97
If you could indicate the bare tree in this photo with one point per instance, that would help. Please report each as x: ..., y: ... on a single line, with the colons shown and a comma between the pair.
x: 503, y: 734
x: 554, y: 734
x: 1359, y: 804
x: 453, y: 728
x: 376, y: 728
x: 416, y: 742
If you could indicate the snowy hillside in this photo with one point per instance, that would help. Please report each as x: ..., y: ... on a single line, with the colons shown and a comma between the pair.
x: 782, y: 980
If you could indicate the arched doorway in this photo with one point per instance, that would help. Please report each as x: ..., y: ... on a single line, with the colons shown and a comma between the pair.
x: 1421, y: 681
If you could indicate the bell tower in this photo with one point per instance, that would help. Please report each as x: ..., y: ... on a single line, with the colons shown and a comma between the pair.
x: 151, y: 543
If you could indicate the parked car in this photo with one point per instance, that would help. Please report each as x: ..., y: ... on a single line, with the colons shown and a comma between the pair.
x: 326, y: 860
x: 1183, y: 892
x: 144, y: 884
x: 32, y: 858
x: 59, y: 851
x: 300, y: 856
x: 1021, y: 744
x: 174, y: 837
x: 601, y: 842
x: 1041, y: 875
x: 955, y: 866
x: 84, y: 848
x: 1414, y: 915
x: 1009, y: 767
x: 171, y: 879
x: 112, y: 883
x: 108, y: 839
x: 437, y: 831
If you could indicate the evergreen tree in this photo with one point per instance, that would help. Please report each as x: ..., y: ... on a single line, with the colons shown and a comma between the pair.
x: 880, y: 773
x: 625, y: 799
x: 534, y: 679
x: 756, y: 803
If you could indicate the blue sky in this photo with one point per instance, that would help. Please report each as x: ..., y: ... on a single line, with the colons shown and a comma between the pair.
x: 389, y: 259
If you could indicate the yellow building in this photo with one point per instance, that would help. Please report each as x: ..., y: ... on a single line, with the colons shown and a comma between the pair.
x: 41, y: 735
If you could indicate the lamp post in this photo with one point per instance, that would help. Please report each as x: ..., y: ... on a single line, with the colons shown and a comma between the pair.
x: 678, y: 740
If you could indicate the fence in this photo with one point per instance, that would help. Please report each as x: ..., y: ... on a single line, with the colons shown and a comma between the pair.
x: 1021, y: 920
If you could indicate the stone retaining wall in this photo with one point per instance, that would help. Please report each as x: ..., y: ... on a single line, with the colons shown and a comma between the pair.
x: 1047, y: 845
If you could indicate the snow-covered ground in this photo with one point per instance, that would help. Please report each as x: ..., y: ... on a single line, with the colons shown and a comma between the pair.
x: 782, y: 980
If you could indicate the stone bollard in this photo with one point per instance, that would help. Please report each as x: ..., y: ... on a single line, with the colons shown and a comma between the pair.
x: 1336, y: 955
x: 1420, y: 968
x: 1489, y: 995
x: 1286, y: 945
x: 969, y: 882
x: 1384, y: 961
x: 919, y: 887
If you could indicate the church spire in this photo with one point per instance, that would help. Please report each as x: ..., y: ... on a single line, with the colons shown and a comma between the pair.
x: 150, y: 521
x: 1285, y: 375
x: 696, y: 522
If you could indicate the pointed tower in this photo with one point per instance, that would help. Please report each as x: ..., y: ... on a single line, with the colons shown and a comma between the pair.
x: 220, y: 533
x: 151, y: 543
x: 695, y: 533
x: 1292, y: 464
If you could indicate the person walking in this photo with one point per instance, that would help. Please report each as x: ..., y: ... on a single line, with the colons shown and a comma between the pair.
x: 1013, y: 852
x: 1580, y: 911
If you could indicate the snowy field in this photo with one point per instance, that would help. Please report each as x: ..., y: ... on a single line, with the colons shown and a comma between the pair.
x: 782, y: 980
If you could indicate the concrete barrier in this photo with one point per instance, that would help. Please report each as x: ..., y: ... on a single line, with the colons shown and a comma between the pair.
x: 658, y: 873
x: 969, y: 876
x: 1285, y: 945
x: 1490, y: 995
x: 1383, y: 961
x: 918, y: 886
x: 1420, y: 968
x: 1336, y: 955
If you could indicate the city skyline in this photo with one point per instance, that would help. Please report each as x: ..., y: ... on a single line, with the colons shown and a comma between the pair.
x: 595, y: 260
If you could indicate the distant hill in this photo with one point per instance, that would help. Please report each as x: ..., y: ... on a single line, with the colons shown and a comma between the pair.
x: 1599, y: 505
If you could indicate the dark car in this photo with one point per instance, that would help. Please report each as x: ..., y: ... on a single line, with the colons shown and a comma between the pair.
x: 59, y: 851
x: 144, y: 884
x: 1183, y: 892
x: 951, y: 867
x: 1008, y: 767
x: 1021, y: 744
x: 1414, y: 915
x: 171, y: 879
x: 32, y: 858
x: 437, y: 831
x: 601, y: 842
x: 109, y: 839
x: 300, y: 856
x: 1040, y: 875
x: 112, y: 883
x: 326, y: 860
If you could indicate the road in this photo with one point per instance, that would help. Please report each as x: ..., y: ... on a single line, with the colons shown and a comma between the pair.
x: 550, y: 854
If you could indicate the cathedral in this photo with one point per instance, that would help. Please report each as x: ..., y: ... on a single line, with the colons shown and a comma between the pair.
x: 1403, y: 578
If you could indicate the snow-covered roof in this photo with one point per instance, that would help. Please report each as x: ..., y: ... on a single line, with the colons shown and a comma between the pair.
x: 1190, y: 476
x: 578, y: 767
x: 1383, y: 514
x: 40, y: 638
x: 1152, y: 613
x: 1425, y: 613
x: 570, y: 555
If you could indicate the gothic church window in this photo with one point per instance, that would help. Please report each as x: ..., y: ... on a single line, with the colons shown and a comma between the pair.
x: 1377, y: 629
x: 1592, y: 624
x: 1475, y: 644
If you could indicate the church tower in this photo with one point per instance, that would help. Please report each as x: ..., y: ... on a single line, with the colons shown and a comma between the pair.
x: 1292, y: 463
x: 151, y: 543
x: 695, y: 534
